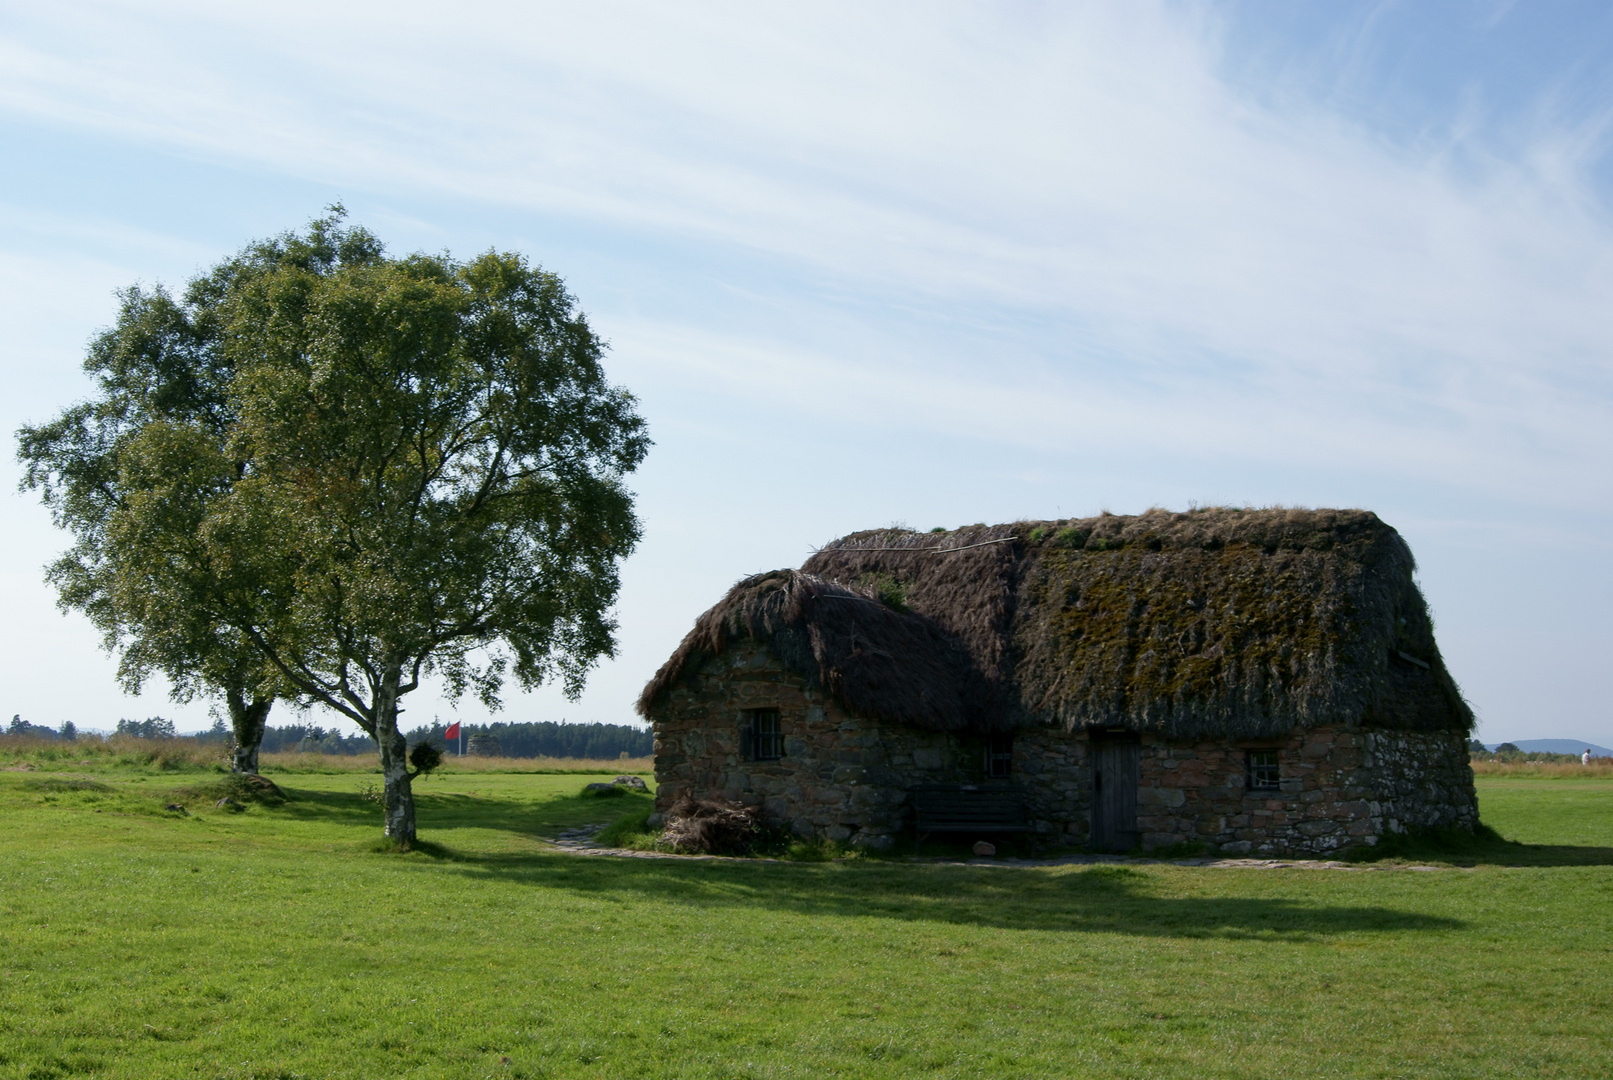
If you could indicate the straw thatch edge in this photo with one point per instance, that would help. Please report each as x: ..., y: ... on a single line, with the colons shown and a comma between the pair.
x: 1220, y: 623
x: 876, y: 660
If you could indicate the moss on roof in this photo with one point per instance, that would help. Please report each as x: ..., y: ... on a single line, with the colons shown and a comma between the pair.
x: 1214, y: 623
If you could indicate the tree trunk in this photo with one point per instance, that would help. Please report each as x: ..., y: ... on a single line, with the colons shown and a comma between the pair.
x: 247, y: 722
x: 397, y: 793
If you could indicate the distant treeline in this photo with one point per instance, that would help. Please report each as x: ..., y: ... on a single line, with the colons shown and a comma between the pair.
x: 312, y: 739
x: 515, y: 740
x: 153, y: 728
x: 158, y: 728
x: 546, y: 739
x: 19, y: 726
x: 549, y: 739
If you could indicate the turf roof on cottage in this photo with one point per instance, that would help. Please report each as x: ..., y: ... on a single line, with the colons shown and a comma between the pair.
x: 1213, y: 623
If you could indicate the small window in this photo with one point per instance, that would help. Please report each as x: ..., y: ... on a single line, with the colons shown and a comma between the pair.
x: 1263, y: 772
x: 999, y: 756
x: 761, y: 735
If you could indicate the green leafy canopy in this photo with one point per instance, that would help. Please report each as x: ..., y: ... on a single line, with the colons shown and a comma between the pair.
x: 132, y: 473
x: 437, y: 470
x: 326, y: 471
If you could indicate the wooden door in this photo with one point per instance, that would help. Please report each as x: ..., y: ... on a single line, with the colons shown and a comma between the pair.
x: 1114, y: 793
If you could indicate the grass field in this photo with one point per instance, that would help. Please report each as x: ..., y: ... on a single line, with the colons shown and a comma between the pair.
x: 277, y: 942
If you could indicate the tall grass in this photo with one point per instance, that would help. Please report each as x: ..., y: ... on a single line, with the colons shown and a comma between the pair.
x: 1598, y: 769
x: 291, y: 761
x: 186, y: 754
x: 192, y: 754
x: 105, y: 751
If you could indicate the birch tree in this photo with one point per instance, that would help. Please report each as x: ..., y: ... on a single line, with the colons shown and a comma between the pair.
x: 437, y: 481
x: 131, y: 474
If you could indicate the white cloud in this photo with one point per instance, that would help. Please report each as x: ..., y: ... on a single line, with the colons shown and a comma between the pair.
x: 1034, y: 227
x: 1081, y: 162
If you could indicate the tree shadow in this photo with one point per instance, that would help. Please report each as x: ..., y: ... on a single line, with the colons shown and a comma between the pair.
x: 343, y: 808
x: 1106, y: 898
x: 446, y: 811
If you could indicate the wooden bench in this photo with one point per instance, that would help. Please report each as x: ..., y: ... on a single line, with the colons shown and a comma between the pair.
x: 966, y: 808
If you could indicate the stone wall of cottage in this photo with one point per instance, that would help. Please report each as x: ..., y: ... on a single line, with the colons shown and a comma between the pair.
x: 1053, y: 769
x: 841, y: 777
x: 846, y: 778
x: 1426, y: 779
x: 1340, y: 787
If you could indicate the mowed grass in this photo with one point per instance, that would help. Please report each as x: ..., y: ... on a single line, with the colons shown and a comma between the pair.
x: 139, y: 942
x: 1550, y: 811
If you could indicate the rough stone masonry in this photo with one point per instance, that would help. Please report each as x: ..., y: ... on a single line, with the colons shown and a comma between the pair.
x: 845, y: 778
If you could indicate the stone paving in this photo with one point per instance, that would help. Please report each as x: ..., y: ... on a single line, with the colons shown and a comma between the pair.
x: 580, y: 839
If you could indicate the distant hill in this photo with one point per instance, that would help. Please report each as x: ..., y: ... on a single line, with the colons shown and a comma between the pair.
x: 1555, y: 746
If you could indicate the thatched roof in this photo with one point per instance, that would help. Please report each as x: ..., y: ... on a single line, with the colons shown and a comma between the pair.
x: 876, y: 660
x: 1215, y: 623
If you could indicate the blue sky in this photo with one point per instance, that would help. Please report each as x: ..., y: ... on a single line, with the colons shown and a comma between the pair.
x: 922, y: 263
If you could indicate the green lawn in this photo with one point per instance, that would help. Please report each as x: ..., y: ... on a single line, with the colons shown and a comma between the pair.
x: 1549, y: 811
x: 135, y: 942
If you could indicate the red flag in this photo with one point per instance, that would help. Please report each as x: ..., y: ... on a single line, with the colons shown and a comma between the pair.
x: 452, y: 733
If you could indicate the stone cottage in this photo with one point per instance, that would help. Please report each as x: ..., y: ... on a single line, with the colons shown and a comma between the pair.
x: 1255, y: 681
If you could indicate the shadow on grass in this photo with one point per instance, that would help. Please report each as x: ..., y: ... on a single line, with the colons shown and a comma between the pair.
x: 1510, y: 853
x: 448, y: 810
x: 1517, y: 854
x: 545, y: 816
x: 1105, y: 898
x: 1112, y: 898
x: 1482, y: 847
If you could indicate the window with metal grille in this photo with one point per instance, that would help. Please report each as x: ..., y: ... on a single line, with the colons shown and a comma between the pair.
x: 761, y: 735
x: 999, y: 756
x: 1263, y: 772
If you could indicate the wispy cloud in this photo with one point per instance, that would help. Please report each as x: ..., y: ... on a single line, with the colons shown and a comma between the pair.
x: 1051, y: 227
x: 1084, y: 165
